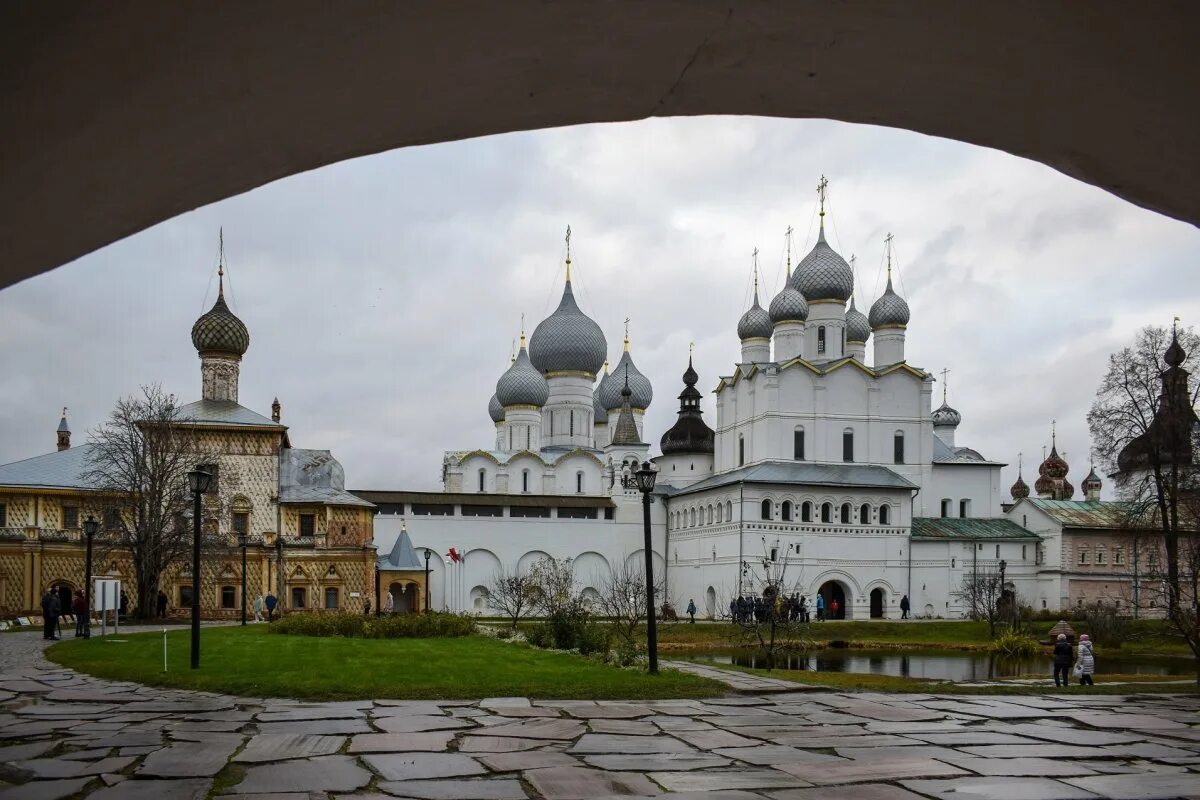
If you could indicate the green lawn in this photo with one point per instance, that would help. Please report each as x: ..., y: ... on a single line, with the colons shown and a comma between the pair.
x: 250, y: 662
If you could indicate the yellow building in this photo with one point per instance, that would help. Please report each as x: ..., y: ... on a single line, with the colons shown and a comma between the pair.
x: 309, y: 540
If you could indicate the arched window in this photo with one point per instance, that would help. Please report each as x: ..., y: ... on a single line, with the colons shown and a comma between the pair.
x: 528, y: 437
x: 798, y: 444
x: 579, y: 482
x: 482, y: 479
x: 898, y: 447
x: 826, y: 512
x: 692, y: 523
x: 729, y: 510
x: 885, y: 515
x: 720, y: 513
x: 524, y: 480
x: 864, y: 514
x: 848, y: 444
x: 806, y: 512
x: 785, y: 511
x: 510, y: 437
x: 571, y: 429
x: 299, y: 597
x: 964, y: 508
x: 766, y: 509
x: 710, y: 515
x: 821, y: 339
x: 845, y: 515
x: 741, y: 450
x: 331, y: 597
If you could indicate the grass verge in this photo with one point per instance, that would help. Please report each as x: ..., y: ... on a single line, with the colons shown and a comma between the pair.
x: 249, y: 662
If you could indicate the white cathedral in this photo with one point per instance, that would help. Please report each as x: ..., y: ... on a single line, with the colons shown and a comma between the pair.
x: 818, y: 454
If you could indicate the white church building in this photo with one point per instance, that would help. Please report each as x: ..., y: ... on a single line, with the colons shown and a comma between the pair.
x: 825, y: 449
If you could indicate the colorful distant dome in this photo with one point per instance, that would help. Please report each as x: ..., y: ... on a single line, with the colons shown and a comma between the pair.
x: 568, y: 340
x: 522, y: 384
x: 1054, y: 467
x: 1020, y: 489
x: 857, y: 326
x: 220, y: 330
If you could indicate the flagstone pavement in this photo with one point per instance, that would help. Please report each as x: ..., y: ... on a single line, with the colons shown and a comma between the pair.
x: 66, y: 735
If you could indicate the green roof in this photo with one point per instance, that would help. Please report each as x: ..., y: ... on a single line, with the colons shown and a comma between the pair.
x: 968, y: 528
x: 1084, y: 513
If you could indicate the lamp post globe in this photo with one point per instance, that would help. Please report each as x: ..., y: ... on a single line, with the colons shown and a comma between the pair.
x: 199, y: 482
x: 90, y: 526
x: 242, y: 542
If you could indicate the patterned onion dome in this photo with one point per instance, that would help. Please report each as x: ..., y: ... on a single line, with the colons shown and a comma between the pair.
x: 889, y: 310
x: 857, y: 327
x: 599, y: 412
x: 945, y: 415
x: 789, y: 306
x: 823, y: 274
x: 755, y: 323
x: 568, y: 340
x: 220, y: 331
x: 1019, y: 489
x: 1043, y: 485
x: 1068, y: 490
x: 610, y: 392
x: 522, y: 384
x: 495, y: 409
x: 1054, y: 466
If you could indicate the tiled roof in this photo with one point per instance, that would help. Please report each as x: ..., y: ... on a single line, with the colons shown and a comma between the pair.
x: 59, y: 470
x: 1084, y: 513
x: 968, y: 528
x: 807, y: 473
x: 314, y: 476
x: 381, y: 497
x: 224, y: 412
x: 403, y: 556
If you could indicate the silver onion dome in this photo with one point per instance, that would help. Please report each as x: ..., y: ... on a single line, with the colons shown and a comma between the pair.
x: 789, y: 306
x: 568, y: 340
x: 495, y: 409
x: 609, y: 392
x: 857, y: 327
x: 823, y: 274
x: 220, y: 330
x: 890, y: 310
x: 945, y: 415
x: 522, y: 384
x: 755, y: 323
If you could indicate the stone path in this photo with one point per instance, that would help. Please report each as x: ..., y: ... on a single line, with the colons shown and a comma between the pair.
x: 65, y: 735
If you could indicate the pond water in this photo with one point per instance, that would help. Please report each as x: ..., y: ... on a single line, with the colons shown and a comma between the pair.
x: 953, y: 665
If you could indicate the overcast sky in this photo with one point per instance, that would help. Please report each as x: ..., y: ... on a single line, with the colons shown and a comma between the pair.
x: 382, y: 294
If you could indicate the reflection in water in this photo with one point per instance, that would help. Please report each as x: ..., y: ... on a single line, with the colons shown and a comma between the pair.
x: 953, y: 665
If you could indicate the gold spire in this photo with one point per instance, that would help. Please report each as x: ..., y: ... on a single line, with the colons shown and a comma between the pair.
x: 822, y: 188
x: 568, y: 254
x: 788, y: 237
x: 512, y: 353
x: 606, y: 366
x: 627, y: 334
x: 853, y: 278
x: 887, y: 240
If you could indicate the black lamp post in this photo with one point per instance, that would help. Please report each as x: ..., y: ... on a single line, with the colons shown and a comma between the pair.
x: 378, y: 578
x: 428, y: 554
x: 279, y: 587
x: 199, y: 480
x: 1003, y: 567
x: 242, y: 544
x: 90, y: 526
x: 643, y: 479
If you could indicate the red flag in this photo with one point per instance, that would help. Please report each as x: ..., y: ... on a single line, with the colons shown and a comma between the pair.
x: 454, y: 556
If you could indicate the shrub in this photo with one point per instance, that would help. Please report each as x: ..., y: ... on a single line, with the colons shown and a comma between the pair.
x: 395, y: 626
x: 1014, y: 645
x: 1105, y: 625
x: 540, y: 635
x: 592, y: 637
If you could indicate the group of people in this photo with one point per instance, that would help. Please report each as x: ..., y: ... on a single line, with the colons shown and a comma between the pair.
x: 1066, y: 661
x: 60, y: 602
x: 783, y: 608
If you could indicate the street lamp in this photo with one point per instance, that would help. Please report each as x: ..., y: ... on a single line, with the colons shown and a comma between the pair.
x: 428, y: 555
x: 643, y: 480
x: 1003, y: 567
x: 199, y: 481
x: 242, y: 544
x: 378, y: 578
x: 279, y: 572
x: 90, y: 526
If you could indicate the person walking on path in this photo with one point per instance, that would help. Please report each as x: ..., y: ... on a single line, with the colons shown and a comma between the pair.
x: 820, y: 608
x: 1062, y: 661
x: 162, y: 604
x: 271, y: 602
x: 50, y: 608
x: 258, y: 608
x: 904, y: 606
x: 1086, y: 665
x: 78, y: 606
x: 390, y: 606
x: 691, y: 610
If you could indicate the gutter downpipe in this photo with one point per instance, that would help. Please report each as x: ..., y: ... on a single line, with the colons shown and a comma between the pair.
x: 911, y: 505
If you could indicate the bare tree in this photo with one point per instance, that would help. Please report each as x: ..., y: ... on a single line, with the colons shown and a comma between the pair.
x: 512, y: 593
x: 773, y: 626
x: 554, y: 588
x: 138, y: 463
x: 1144, y: 429
x: 982, y: 592
x: 623, y: 600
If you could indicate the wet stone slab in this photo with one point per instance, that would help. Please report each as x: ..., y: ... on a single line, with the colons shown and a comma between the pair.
x: 187, y: 789
x: 322, y: 774
x: 655, y: 761
x: 45, y: 790
x: 609, y: 743
x: 725, y: 779
x: 284, y: 746
x: 580, y: 783
x: 434, y: 741
x: 862, y: 791
x: 535, y: 729
x: 998, y: 789
x: 479, y: 789
x: 535, y: 759
x: 190, y: 760
x: 419, y: 724
x: 497, y: 744
x: 1021, y: 767
x: 831, y: 773
x: 415, y: 766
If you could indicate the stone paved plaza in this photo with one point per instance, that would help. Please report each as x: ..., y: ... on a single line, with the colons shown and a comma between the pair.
x: 64, y: 735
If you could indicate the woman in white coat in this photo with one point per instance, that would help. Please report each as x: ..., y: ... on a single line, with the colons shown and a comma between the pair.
x: 1086, y: 661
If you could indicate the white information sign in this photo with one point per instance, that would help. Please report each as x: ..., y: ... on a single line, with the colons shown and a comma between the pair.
x: 107, y: 596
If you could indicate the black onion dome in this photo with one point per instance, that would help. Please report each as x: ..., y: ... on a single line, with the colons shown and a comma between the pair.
x: 495, y: 409
x: 689, y: 434
x: 220, y: 330
x: 568, y: 340
x: 522, y: 384
x: 789, y: 306
x: 823, y: 274
x: 890, y: 310
x: 609, y: 391
x: 755, y: 323
x: 1019, y: 489
x: 858, y: 329
x: 945, y: 415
